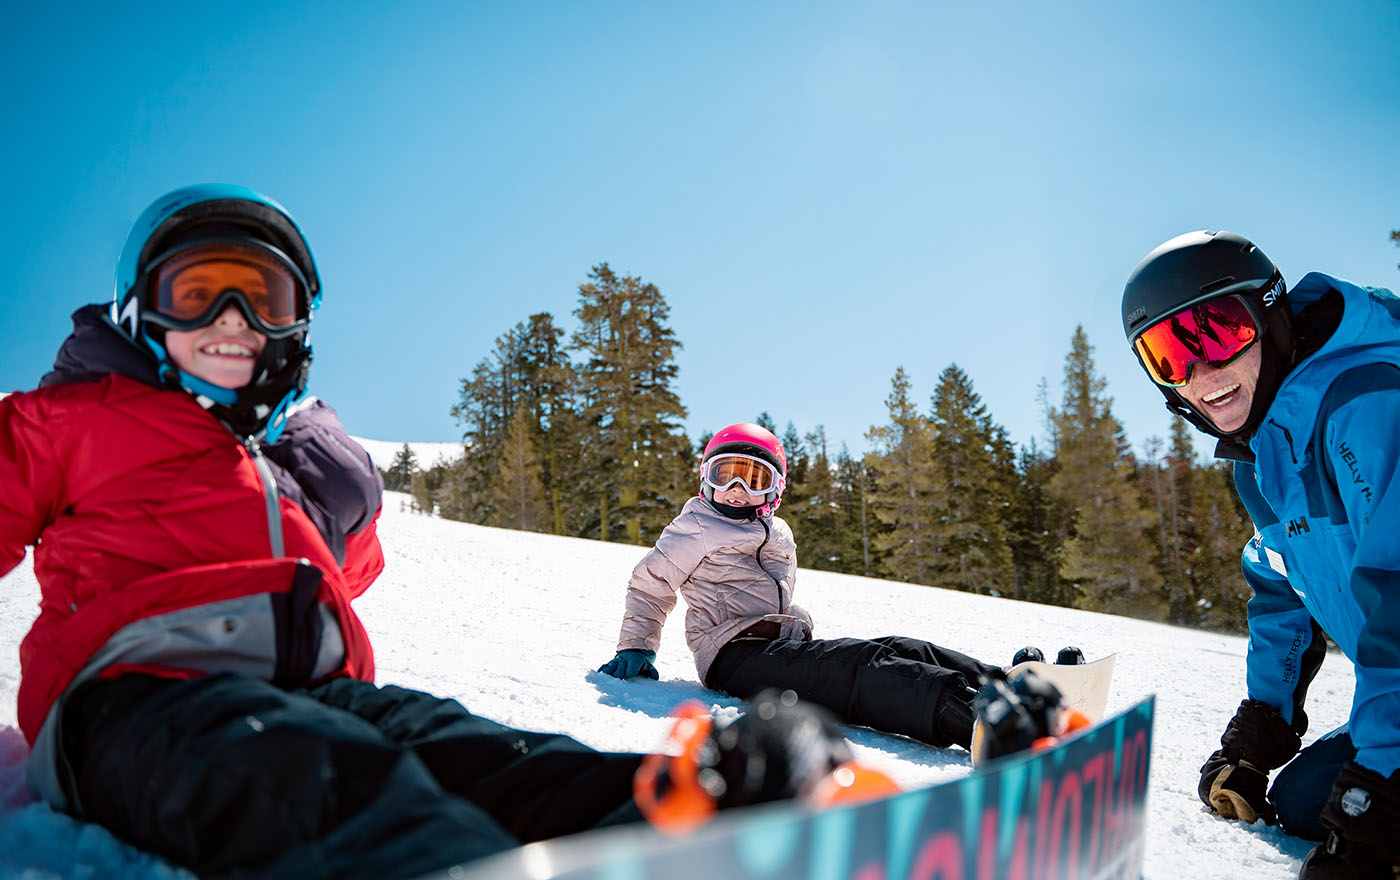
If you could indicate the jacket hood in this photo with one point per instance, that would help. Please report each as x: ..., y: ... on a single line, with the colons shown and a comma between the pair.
x: 1369, y: 315
x: 96, y: 348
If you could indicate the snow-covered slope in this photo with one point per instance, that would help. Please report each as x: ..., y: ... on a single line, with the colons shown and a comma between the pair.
x: 514, y: 624
x: 382, y: 452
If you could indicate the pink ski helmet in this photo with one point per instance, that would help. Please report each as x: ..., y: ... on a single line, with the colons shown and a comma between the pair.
x: 749, y: 439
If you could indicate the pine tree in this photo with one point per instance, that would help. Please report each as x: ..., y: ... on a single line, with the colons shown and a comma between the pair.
x: 906, y: 490
x: 1173, y: 486
x: 399, y: 476
x: 1035, y: 531
x: 969, y: 451
x: 637, y: 456
x: 852, y: 483
x: 1214, y: 563
x: 486, y: 403
x: 797, y: 492
x: 796, y: 453
x: 527, y: 369
x: 457, y: 498
x: 1203, y: 528
x: 549, y: 385
x: 821, y: 519
x: 422, y: 495
x: 1109, y: 558
x: 517, y: 495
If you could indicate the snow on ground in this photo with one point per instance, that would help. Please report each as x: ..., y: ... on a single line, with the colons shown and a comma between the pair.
x: 382, y: 452
x: 513, y: 624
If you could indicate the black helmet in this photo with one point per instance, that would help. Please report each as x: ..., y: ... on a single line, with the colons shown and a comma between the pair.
x: 207, y: 212
x: 1200, y: 266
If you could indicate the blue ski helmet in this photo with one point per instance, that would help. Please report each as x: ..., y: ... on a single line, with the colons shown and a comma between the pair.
x: 197, y: 215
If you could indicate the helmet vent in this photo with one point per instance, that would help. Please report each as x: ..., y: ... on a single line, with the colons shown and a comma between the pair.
x: 1217, y: 284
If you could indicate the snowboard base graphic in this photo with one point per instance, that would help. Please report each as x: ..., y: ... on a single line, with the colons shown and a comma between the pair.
x: 1077, y: 810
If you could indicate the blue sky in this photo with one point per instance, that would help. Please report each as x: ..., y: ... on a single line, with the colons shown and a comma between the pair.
x: 884, y: 183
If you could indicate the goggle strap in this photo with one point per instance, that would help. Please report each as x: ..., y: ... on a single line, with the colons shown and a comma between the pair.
x: 251, y: 243
x: 280, y: 413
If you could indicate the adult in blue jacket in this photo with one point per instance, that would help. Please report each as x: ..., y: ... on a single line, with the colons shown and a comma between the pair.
x: 1301, y: 388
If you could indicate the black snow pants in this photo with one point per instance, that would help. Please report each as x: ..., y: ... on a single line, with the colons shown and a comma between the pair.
x: 234, y: 777
x: 893, y: 684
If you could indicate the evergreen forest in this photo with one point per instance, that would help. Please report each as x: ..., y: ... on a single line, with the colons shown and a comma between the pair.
x: 582, y: 436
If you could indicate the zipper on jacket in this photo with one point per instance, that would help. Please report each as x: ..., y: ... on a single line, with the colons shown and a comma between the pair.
x: 1287, y: 436
x: 758, y: 557
x: 270, y: 494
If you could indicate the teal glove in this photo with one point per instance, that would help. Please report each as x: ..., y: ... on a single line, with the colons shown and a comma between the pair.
x: 630, y: 664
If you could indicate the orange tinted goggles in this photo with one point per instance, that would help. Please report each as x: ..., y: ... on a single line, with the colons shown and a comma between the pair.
x: 192, y: 285
x: 1214, y: 332
x: 756, y: 475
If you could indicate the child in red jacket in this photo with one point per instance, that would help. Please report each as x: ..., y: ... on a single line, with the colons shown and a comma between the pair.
x: 196, y: 680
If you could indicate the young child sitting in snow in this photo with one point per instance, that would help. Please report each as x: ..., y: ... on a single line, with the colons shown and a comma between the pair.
x: 196, y: 680
x: 735, y: 562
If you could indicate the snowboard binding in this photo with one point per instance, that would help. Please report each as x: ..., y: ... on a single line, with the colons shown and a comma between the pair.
x: 1025, y: 712
x: 778, y: 749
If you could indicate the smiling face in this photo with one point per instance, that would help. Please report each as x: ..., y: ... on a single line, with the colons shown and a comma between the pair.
x: 222, y: 352
x: 1224, y: 394
x: 737, y: 496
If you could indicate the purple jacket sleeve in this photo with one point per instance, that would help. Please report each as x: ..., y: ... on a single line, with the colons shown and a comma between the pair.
x: 327, y: 474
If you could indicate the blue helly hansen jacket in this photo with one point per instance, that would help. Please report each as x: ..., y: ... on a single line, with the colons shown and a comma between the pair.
x: 1324, y: 494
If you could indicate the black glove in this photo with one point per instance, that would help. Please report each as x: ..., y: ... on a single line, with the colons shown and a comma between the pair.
x: 1235, y: 777
x: 1236, y: 789
x: 1362, y: 815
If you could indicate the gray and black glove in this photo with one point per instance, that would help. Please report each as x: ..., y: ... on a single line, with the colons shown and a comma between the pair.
x: 1235, y: 778
x: 1362, y: 815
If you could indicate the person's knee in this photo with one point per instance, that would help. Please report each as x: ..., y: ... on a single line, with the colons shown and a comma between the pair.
x: 1298, y: 794
x: 1301, y: 788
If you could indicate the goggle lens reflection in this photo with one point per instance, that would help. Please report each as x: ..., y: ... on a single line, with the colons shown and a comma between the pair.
x: 1215, y: 332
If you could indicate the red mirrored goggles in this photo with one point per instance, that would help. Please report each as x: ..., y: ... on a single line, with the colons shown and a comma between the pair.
x: 1214, y: 332
x: 190, y: 287
x: 754, y: 474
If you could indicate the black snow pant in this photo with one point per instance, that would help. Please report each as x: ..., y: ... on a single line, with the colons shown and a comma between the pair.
x: 894, y: 684
x: 232, y: 776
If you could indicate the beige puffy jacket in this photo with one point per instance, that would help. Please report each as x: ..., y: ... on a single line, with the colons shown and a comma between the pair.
x: 732, y: 573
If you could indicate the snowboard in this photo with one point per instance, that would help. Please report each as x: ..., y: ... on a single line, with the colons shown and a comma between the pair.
x: 1076, y: 810
x: 1084, y: 685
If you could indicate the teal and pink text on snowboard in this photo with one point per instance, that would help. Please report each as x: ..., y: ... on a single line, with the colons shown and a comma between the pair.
x: 1077, y: 810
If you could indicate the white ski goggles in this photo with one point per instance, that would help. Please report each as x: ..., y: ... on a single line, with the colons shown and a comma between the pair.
x: 757, y: 476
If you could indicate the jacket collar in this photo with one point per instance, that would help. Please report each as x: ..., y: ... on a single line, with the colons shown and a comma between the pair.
x: 96, y: 348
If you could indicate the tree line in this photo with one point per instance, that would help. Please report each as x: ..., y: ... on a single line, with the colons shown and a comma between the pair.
x: 583, y: 437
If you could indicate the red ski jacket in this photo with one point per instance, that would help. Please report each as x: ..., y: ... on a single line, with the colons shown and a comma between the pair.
x: 165, y: 545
